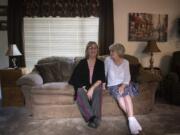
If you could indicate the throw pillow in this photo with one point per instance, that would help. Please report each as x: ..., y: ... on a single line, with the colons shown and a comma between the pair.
x: 66, y: 69
x: 50, y: 72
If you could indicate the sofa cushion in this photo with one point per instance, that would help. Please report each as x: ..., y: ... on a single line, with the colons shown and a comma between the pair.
x: 50, y: 72
x: 59, y: 93
x: 54, y: 59
x: 131, y: 59
x: 67, y: 68
x: 55, y: 99
x: 66, y: 65
x: 62, y: 88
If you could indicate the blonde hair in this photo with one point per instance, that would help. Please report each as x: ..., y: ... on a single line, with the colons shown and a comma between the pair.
x: 118, y: 48
x: 89, y: 44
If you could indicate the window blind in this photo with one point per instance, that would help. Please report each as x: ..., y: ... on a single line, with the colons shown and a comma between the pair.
x: 57, y: 37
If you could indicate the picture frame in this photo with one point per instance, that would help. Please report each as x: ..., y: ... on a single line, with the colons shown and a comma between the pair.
x: 3, y: 10
x: 147, y: 26
x: 3, y: 25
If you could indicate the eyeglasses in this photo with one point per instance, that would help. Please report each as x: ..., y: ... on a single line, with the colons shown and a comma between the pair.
x: 95, y: 48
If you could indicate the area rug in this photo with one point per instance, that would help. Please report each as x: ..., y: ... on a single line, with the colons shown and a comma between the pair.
x: 163, y: 120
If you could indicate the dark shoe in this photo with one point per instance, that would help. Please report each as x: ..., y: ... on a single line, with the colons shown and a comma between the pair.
x: 92, y: 125
x: 97, y: 121
x: 93, y: 122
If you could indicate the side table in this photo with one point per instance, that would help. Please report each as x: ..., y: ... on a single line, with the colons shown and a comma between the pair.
x: 11, y: 93
x: 159, y: 75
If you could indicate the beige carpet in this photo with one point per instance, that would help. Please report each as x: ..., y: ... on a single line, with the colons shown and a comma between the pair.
x: 163, y: 120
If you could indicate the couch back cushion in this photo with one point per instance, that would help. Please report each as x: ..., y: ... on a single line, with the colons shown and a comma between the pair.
x: 66, y: 65
x: 48, y: 72
x: 131, y: 59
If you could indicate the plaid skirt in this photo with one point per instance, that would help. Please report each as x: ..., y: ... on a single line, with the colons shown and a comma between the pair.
x: 131, y: 89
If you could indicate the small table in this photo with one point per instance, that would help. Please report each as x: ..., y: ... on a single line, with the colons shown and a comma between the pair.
x: 11, y: 93
x: 159, y: 75
x: 156, y: 71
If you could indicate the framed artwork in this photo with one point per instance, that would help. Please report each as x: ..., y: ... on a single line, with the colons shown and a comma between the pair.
x: 3, y: 25
x: 145, y: 26
x: 3, y: 10
x: 3, y: 18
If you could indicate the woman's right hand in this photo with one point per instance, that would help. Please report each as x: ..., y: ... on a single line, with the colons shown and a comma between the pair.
x: 90, y: 93
x: 121, y: 89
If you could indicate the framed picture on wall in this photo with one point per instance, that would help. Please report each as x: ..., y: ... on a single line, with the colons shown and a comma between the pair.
x: 3, y: 10
x: 145, y: 26
x: 3, y: 25
x: 3, y: 18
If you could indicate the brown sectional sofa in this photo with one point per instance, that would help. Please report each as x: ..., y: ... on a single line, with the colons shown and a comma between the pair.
x: 55, y: 99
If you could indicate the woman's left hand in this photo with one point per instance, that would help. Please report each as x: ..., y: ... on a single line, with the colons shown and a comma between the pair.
x: 90, y: 93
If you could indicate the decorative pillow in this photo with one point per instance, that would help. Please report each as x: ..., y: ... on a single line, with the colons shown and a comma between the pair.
x: 134, y: 71
x: 66, y: 69
x: 50, y: 72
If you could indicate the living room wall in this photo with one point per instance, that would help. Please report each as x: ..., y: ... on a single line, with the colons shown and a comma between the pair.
x: 3, y: 43
x: 121, y: 10
x: 170, y: 7
x: 3, y: 46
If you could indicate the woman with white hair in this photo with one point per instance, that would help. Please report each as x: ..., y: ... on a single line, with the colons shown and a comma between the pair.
x: 118, y: 83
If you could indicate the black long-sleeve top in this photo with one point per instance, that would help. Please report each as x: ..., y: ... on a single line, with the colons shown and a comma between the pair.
x: 80, y: 75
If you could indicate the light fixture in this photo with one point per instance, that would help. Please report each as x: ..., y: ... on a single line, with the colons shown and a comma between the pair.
x: 13, y: 51
x: 151, y: 48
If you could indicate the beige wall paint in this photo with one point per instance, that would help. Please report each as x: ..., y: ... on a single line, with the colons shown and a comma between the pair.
x: 3, y: 46
x: 3, y: 43
x: 170, y: 7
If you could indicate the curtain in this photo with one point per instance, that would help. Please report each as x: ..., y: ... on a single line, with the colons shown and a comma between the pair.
x: 62, y: 8
x: 106, y: 26
x: 17, y: 9
x: 15, y: 29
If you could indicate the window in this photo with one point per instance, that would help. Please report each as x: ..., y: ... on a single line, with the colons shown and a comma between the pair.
x: 57, y: 37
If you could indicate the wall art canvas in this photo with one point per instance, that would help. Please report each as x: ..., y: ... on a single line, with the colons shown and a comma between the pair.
x: 145, y: 26
x: 3, y: 25
x: 3, y: 10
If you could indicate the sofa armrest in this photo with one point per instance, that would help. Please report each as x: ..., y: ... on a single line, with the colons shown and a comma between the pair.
x: 146, y: 76
x: 31, y: 79
x: 173, y: 77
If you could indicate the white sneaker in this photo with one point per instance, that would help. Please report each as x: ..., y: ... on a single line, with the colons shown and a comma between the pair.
x: 134, y: 125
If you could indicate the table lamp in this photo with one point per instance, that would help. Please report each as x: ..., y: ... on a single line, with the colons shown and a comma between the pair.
x: 151, y: 48
x: 13, y: 51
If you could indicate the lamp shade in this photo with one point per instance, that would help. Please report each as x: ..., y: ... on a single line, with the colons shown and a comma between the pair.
x: 13, y: 51
x: 151, y: 47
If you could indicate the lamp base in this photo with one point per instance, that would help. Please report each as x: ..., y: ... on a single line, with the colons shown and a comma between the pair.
x: 151, y: 61
x: 14, y: 62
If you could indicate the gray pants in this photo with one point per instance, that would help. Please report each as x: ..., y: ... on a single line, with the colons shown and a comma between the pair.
x: 88, y: 108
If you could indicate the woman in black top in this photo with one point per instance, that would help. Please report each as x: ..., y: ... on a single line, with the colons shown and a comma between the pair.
x: 87, y: 79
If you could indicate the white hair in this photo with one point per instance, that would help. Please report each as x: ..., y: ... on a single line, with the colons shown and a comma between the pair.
x: 117, y: 47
